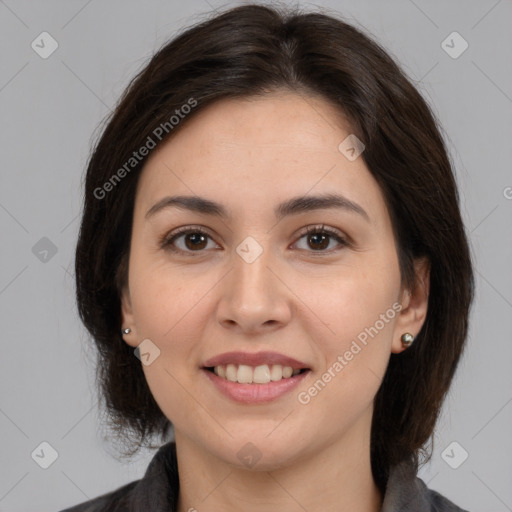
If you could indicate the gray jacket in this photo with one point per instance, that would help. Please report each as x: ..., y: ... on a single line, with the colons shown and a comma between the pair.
x: 157, y: 491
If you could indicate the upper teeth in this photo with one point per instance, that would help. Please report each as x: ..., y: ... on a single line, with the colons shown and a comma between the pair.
x: 259, y: 375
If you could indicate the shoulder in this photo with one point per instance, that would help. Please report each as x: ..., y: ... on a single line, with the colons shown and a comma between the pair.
x: 157, y: 490
x: 405, y: 492
x: 115, y: 501
x: 436, y: 501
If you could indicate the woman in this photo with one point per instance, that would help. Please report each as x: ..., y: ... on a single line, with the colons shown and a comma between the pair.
x: 272, y: 262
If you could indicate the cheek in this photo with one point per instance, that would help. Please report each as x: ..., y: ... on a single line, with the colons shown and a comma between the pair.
x: 358, y: 310
x: 355, y: 352
x: 354, y: 297
x: 160, y: 297
x: 170, y: 314
x: 170, y: 309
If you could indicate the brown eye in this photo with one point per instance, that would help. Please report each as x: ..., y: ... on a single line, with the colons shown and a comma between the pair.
x: 319, y: 237
x: 194, y: 240
x: 319, y: 240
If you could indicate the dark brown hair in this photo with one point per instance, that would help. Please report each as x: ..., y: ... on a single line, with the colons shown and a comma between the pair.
x: 253, y: 50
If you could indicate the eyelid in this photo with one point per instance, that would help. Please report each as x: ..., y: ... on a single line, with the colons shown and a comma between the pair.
x: 166, y: 241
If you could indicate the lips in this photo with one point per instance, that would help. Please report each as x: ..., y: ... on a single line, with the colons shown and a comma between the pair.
x: 255, y: 393
x: 255, y: 378
x: 257, y: 359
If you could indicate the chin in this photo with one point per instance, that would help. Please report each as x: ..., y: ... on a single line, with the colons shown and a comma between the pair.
x: 260, y: 453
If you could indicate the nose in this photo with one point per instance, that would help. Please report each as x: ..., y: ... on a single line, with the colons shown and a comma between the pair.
x: 254, y: 296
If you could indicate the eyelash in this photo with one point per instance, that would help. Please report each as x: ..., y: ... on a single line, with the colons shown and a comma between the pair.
x: 166, y: 242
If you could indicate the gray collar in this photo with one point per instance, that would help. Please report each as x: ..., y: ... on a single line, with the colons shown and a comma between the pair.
x: 158, y: 490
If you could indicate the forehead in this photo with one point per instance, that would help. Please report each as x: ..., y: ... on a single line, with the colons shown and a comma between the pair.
x: 276, y: 120
x: 254, y: 149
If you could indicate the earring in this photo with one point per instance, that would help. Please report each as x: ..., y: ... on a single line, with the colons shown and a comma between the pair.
x: 126, y: 331
x: 407, y: 339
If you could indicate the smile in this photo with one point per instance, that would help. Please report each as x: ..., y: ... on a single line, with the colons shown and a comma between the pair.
x: 254, y: 392
x: 261, y: 374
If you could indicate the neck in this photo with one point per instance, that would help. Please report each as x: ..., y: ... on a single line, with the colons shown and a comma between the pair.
x: 337, y: 477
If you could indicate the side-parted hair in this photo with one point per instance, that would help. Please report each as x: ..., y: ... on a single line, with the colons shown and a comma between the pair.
x: 253, y: 50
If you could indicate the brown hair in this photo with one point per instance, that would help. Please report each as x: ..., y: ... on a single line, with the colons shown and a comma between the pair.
x: 251, y: 50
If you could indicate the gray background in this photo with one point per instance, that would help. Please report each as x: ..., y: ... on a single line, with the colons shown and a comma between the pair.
x: 49, y: 110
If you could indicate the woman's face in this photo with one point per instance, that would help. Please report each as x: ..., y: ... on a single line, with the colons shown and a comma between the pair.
x: 255, y: 284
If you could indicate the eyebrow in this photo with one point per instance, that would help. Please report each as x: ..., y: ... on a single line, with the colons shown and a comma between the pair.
x: 293, y: 206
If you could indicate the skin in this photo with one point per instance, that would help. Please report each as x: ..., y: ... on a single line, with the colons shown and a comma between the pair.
x: 250, y: 155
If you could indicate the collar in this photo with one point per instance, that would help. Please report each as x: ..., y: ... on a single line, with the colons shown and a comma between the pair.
x: 158, y: 489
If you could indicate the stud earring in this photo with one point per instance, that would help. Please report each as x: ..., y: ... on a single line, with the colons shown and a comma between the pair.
x: 126, y: 331
x: 407, y: 339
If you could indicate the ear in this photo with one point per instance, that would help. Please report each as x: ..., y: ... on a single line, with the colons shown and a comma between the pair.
x: 414, y: 305
x: 127, y: 318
